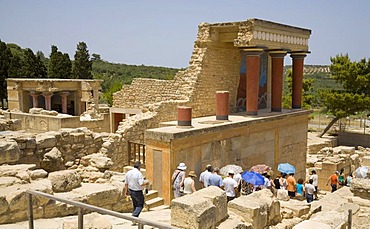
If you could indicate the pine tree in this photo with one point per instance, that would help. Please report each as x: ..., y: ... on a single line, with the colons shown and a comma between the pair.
x: 82, y: 64
x: 5, y: 59
x: 60, y: 65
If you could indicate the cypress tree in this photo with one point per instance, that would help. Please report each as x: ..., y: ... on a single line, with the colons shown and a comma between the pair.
x: 82, y: 64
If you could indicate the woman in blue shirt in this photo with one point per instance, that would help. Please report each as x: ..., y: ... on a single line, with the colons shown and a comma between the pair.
x: 299, y: 187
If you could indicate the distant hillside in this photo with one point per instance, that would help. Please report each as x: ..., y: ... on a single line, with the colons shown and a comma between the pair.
x: 115, y: 75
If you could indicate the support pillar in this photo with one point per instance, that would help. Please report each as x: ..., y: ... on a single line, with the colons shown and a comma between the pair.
x: 64, y: 96
x: 298, y: 59
x: 253, y: 76
x: 277, y: 72
x: 47, y: 96
x: 222, y: 105
x: 184, y: 116
x: 35, y: 101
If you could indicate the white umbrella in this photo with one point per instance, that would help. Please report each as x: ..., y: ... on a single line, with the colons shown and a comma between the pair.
x: 237, y: 169
x: 361, y: 172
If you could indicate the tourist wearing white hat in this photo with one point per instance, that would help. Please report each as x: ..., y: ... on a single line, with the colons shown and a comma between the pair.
x: 178, y: 178
x: 230, y: 186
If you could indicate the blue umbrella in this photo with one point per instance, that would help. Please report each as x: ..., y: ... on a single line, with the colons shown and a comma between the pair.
x: 286, y: 168
x: 253, y: 178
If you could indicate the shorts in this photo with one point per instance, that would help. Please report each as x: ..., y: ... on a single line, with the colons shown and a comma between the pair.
x: 291, y: 194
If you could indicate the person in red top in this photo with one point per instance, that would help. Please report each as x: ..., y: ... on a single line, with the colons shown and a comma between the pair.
x: 291, y: 187
x: 333, y: 179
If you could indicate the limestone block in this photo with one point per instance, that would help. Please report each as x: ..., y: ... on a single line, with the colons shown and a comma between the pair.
x: 58, y: 209
x: 218, y: 198
x: 92, y: 176
x: 299, y: 208
x: 8, y: 181
x: 309, y: 224
x: 286, y: 223
x: 97, y: 160
x: 38, y: 174
x: 42, y: 185
x: 311, y: 161
x: 361, y: 187
x: 45, y: 140
x: 93, y: 220
x: 98, y: 194
x: 31, y: 143
x: 282, y: 195
x: 9, y: 151
x: 24, y: 176
x: 346, y: 149
x: 258, y: 208
x: 65, y: 180
x: 234, y: 222
x: 3, y: 205
x: 332, y: 218
x: 193, y: 211
x: 53, y: 160
x: 366, y: 161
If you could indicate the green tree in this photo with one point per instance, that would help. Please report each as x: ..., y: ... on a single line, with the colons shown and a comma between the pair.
x: 354, y: 96
x: 307, y: 91
x: 82, y: 64
x: 5, y: 59
x: 60, y: 65
x: 33, y: 67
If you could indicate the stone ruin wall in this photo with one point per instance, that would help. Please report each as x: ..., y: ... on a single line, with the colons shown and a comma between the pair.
x: 72, y: 143
x: 212, y: 67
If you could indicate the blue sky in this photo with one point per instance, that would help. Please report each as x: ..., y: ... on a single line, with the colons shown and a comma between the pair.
x: 162, y: 33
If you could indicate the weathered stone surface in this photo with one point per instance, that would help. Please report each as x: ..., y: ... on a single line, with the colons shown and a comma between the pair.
x: 45, y: 140
x: 93, y: 220
x: 287, y: 223
x: 259, y: 208
x: 38, y: 174
x: 101, y: 195
x: 334, y: 219
x: 282, y: 195
x: 9, y: 151
x: 298, y: 208
x: 12, y: 170
x: 310, y: 224
x: 198, y: 209
x: 234, y: 222
x: 65, y: 180
x: 361, y: 187
x: 97, y: 160
x: 333, y: 200
x: 8, y: 181
x: 53, y: 160
x: 3, y: 205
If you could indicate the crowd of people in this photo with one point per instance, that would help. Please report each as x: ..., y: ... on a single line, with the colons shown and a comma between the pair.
x: 234, y: 185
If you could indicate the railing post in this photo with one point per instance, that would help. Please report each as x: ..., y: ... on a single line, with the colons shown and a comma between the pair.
x: 140, y: 226
x: 30, y: 212
x: 349, y: 218
x: 80, y: 219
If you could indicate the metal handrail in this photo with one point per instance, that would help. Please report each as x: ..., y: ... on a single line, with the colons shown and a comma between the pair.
x: 141, y: 222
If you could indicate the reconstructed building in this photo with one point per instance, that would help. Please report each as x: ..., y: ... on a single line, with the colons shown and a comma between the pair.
x: 245, y: 59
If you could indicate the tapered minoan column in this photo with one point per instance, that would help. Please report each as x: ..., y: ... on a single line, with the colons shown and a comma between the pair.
x: 298, y: 59
x: 64, y: 96
x: 277, y: 72
x: 47, y: 96
x: 184, y: 116
x: 253, y: 76
x: 35, y: 99
x: 222, y: 105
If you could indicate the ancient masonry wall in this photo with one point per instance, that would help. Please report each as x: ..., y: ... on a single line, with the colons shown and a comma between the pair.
x: 72, y: 143
x: 213, y: 66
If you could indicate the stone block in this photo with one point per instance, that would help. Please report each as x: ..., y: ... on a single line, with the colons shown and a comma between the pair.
x: 9, y: 151
x: 193, y: 211
x: 361, y: 187
x: 298, y: 208
x: 334, y: 219
x: 45, y: 140
x: 259, y: 208
x: 218, y: 198
x: 309, y: 224
x: 366, y: 161
x: 38, y: 174
x: 65, y: 180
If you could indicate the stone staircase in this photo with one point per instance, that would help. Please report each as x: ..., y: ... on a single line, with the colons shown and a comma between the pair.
x: 152, y: 201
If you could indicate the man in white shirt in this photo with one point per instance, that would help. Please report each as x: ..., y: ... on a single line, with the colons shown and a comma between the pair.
x: 230, y: 186
x: 134, y: 183
x: 315, y: 179
x: 310, y: 190
x: 203, y: 178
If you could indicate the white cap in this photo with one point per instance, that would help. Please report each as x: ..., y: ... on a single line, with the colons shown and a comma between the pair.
x: 231, y: 171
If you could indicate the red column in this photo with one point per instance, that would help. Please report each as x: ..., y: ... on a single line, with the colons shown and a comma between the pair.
x: 184, y: 116
x: 277, y: 72
x: 222, y: 105
x: 35, y: 101
x: 298, y: 59
x: 47, y: 96
x: 64, y: 96
x: 253, y: 76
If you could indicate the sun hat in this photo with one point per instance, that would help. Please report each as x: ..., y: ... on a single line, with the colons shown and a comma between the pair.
x: 231, y: 171
x: 182, y: 166
x: 192, y: 174
x: 209, y: 165
x: 336, y: 172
